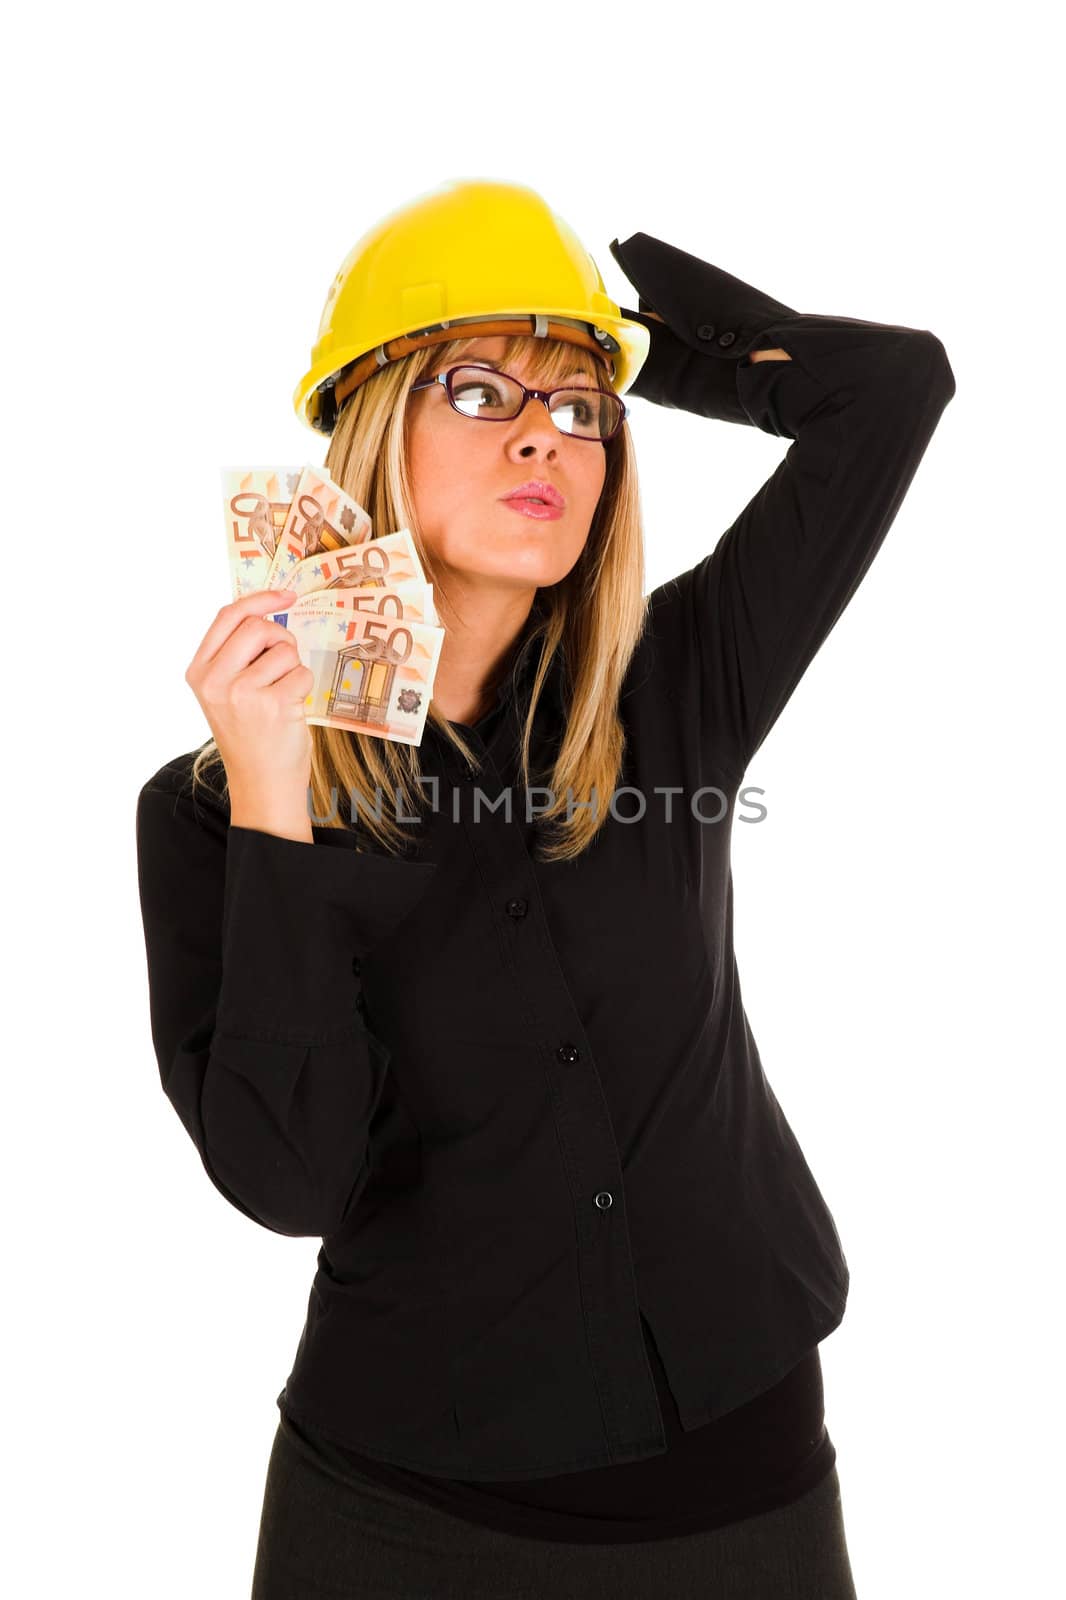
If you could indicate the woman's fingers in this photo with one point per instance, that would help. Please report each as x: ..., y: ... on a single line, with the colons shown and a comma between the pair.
x: 257, y: 604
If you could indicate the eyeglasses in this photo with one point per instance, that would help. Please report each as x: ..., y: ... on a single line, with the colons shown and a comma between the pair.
x: 491, y: 396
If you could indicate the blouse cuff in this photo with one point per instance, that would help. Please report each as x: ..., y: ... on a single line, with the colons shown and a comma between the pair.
x: 296, y: 921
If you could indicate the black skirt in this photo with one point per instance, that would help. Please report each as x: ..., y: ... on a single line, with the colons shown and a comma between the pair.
x: 327, y: 1537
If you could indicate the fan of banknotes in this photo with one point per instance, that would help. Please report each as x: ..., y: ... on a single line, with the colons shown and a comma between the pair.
x: 363, y: 618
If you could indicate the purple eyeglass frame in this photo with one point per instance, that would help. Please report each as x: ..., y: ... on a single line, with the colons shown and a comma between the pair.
x: 527, y: 395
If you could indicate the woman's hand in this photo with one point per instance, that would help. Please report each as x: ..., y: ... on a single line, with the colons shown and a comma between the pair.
x: 251, y: 685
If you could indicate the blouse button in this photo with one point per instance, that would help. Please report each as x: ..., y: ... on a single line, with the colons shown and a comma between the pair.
x: 705, y: 330
x: 726, y: 338
x: 568, y: 1052
x: 356, y: 968
x: 604, y: 1200
x: 516, y: 908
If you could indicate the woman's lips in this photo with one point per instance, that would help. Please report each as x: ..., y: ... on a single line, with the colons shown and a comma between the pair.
x: 535, y: 509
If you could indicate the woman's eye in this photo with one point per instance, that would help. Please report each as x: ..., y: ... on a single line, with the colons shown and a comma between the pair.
x: 478, y: 396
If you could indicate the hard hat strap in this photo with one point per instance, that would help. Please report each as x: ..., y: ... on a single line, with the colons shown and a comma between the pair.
x: 542, y: 327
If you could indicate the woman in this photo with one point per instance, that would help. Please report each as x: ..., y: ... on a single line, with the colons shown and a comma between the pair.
x: 490, y: 1045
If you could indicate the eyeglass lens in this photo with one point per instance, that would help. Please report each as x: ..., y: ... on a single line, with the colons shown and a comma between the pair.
x: 589, y: 413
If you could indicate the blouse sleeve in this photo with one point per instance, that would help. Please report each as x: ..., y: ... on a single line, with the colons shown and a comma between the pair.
x: 253, y: 945
x: 860, y: 401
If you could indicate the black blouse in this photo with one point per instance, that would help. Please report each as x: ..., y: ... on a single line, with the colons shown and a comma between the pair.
x: 762, y: 1455
x: 753, y: 1459
x: 521, y: 1103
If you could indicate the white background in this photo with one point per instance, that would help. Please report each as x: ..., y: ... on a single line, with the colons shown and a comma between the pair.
x: 182, y: 186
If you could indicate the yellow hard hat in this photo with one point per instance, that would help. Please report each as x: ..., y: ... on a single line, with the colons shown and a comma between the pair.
x: 470, y: 257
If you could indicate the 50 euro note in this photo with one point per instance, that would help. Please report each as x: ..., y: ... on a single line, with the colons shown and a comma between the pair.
x: 364, y: 618
x: 303, y: 505
x: 390, y: 561
x: 372, y: 673
x: 321, y: 518
x: 407, y: 602
x: 257, y: 503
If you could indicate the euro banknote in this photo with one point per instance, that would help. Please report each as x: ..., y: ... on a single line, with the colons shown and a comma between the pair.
x: 391, y: 560
x: 372, y: 674
x: 408, y: 602
x: 321, y: 519
x: 257, y: 503
x: 363, y: 619
x: 298, y: 507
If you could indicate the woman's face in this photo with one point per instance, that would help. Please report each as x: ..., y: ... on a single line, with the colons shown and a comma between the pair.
x: 461, y: 468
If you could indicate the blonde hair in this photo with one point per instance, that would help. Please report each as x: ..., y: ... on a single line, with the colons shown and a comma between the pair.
x: 595, y: 616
